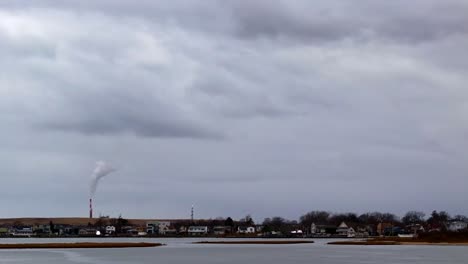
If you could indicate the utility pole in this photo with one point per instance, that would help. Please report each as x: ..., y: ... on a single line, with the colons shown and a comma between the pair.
x: 191, y: 215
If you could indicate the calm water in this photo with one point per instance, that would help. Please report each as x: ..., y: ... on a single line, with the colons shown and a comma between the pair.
x: 182, y: 251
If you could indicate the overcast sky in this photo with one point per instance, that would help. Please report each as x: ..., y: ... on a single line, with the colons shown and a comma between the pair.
x: 239, y: 107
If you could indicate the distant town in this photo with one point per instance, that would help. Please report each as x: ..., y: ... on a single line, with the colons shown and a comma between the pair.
x: 315, y: 224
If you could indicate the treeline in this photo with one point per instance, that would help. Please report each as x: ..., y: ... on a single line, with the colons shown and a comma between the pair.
x: 436, y: 220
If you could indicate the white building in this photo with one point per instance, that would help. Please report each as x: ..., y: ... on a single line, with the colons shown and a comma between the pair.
x: 344, y: 230
x: 87, y: 232
x: 319, y: 229
x: 159, y: 227
x: 197, y: 230
x: 110, y: 230
x: 23, y: 232
x: 246, y: 230
x: 457, y: 226
x: 164, y: 228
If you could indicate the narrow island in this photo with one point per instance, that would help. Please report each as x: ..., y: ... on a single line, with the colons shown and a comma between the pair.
x: 257, y: 242
x: 79, y: 245
x: 438, y: 239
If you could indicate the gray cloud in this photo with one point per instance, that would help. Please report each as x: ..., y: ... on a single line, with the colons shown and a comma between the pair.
x: 119, y: 111
x: 87, y: 84
x: 420, y: 21
x: 328, y: 99
x: 120, y: 124
x: 335, y: 20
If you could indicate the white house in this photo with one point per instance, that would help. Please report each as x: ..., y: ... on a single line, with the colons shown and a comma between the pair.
x: 110, y: 230
x: 314, y: 229
x: 246, y: 230
x: 457, y: 226
x: 159, y: 227
x: 164, y: 228
x: 319, y: 229
x: 23, y: 232
x: 344, y: 230
x: 183, y: 230
x: 87, y: 232
x: 197, y: 230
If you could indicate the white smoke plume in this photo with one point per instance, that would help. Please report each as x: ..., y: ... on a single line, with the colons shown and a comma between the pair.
x: 102, y: 169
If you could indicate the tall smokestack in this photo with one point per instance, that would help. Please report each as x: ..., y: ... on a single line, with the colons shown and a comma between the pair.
x: 90, y: 208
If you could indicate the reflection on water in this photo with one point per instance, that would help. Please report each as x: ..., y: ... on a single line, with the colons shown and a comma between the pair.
x: 182, y: 251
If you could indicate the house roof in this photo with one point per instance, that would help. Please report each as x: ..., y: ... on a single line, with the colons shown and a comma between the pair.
x: 343, y: 225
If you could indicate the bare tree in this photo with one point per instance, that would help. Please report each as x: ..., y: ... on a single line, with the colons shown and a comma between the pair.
x: 437, y: 220
x: 460, y: 218
x: 317, y: 217
x: 413, y: 217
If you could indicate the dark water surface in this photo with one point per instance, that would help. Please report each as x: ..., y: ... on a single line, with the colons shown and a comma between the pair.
x: 181, y: 251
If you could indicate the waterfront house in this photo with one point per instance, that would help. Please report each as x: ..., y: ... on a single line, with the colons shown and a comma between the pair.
x: 197, y: 230
x: 182, y: 230
x: 42, y: 229
x: 322, y: 230
x: 110, y: 230
x: 456, y: 226
x: 165, y: 228
x: 131, y: 231
x: 59, y: 229
x: 72, y: 230
x: 394, y: 230
x: 382, y: 227
x: 363, y: 231
x: 221, y: 230
x: 259, y: 228
x: 245, y: 230
x: 415, y: 229
x: 344, y: 230
x: 87, y: 231
x: 24, y: 231
x: 160, y: 228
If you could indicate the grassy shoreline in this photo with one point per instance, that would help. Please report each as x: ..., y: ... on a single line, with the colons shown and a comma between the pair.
x: 78, y: 245
x: 399, y: 242
x: 257, y: 242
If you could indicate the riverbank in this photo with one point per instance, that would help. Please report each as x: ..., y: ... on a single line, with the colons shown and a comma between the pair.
x: 399, y: 242
x: 79, y: 245
x: 257, y: 242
